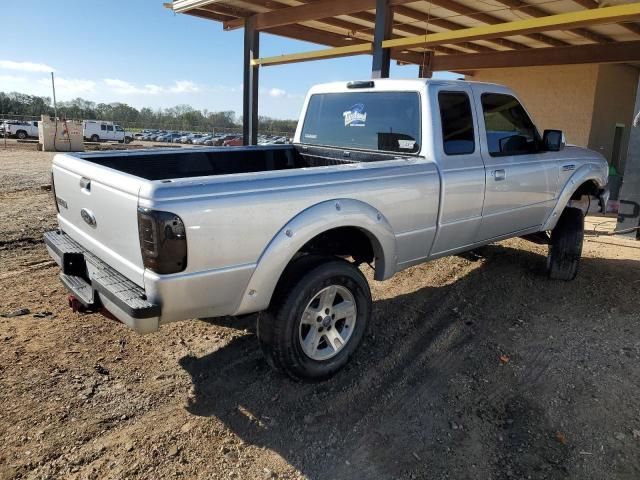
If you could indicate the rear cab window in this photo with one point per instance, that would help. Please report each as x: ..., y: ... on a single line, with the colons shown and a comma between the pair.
x: 457, y: 123
x: 382, y: 121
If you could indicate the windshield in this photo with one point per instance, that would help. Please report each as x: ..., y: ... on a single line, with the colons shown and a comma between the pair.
x: 387, y: 121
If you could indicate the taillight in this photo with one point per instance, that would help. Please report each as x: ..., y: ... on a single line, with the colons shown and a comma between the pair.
x: 163, y: 241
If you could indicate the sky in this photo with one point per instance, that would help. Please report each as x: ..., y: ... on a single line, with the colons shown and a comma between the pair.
x: 140, y: 53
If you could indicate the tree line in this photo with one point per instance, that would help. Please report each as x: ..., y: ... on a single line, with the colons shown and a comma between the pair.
x: 180, y: 117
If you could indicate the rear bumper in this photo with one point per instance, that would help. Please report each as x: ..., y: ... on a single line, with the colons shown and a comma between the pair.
x: 95, y: 284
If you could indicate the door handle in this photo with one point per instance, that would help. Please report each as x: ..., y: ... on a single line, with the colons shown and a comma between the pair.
x: 499, y: 175
x: 85, y: 184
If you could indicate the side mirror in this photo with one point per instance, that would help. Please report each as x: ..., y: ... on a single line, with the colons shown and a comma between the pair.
x: 553, y: 140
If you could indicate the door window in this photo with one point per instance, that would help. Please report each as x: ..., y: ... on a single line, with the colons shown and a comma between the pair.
x: 510, y: 131
x: 103, y: 128
x: 457, y: 123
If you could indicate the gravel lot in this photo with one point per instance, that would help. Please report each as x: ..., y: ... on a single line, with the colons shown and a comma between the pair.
x: 474, y: 367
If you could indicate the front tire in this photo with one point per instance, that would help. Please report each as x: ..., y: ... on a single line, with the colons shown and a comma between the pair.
x: 318, y: 319
x: 565, y: 248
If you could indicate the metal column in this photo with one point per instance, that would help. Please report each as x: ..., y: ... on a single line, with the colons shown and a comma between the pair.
x: 383, y: 29
x: 425, y: 69
x: 250, y: 84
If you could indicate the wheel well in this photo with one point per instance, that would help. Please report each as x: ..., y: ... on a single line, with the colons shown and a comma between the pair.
x: 342, y: 242
x: 590, y: 187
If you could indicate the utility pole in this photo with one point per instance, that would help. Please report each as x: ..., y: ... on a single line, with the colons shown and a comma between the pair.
x: 55, y: 106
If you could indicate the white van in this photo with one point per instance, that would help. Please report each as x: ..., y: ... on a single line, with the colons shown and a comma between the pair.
x: 98, y: 131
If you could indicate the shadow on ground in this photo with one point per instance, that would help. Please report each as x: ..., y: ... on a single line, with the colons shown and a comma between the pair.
x: 490, y: 376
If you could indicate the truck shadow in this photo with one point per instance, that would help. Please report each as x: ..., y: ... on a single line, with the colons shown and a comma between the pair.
x: 434, y: 390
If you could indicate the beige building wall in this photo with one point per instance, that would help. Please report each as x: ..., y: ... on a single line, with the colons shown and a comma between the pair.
x: 560, y: 97
x: 614, y: 105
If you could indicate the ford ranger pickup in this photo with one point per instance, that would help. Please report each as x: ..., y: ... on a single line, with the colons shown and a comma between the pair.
x: 390, y: 173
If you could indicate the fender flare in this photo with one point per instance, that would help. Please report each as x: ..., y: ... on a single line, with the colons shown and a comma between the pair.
x: 308, y: 224
x: 582, y: 175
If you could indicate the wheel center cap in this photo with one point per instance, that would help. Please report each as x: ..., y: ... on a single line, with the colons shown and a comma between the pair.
x: 326, y: 321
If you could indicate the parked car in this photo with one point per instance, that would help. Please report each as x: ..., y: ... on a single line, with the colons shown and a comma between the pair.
x: 191, y: 139
x: 162, y: 137
x: 234, y: 142
x: 442, y: 167
x: 154, y: 136
x: 202, y: 140
x: 20, y: 129
x: 219, y: 140
x: 99, y: 131
x: 172, y: 137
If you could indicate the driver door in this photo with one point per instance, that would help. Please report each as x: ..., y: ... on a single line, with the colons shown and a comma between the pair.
x: 521, y: 180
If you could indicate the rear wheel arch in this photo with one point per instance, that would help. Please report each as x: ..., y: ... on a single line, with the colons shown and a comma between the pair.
x: 330, y: 219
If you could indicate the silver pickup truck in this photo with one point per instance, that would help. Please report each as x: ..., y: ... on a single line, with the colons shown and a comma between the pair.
x: 391, y: 173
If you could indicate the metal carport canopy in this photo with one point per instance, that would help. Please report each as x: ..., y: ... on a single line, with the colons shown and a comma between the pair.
x: 449, y: 35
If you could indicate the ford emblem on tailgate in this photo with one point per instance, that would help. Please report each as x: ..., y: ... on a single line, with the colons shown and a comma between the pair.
x: 88, y: 217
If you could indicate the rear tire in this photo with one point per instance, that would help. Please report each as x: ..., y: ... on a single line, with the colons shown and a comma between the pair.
x: 565, y: 248
x: 21, y: 134
x: 318, y: 318
x: 95, y: 138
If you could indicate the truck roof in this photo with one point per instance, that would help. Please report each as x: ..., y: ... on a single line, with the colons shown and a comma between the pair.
x: 395, y: 84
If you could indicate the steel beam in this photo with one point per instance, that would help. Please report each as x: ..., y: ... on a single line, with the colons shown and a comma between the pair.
x: 358, y: 49
x: 382, y: 31
x: 562, y: 21
x: 622, y: 52
x: 250, y: 83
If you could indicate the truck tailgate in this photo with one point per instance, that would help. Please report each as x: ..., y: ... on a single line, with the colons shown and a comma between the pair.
x: 98, y: 209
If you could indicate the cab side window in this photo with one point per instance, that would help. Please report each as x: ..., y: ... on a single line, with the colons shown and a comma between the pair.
x: 110, y: 128
x: 510, y: 131
x: 457, y: 123
x: 103, y: 128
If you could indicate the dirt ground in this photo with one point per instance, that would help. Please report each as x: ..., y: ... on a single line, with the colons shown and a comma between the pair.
x: 474, y: 367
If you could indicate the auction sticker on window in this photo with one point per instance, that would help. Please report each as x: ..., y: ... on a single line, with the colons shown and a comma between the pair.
x: 406, y: 144
x: 355, y: 116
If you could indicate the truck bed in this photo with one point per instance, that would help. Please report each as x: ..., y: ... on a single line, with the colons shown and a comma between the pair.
x: 185, y: 163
